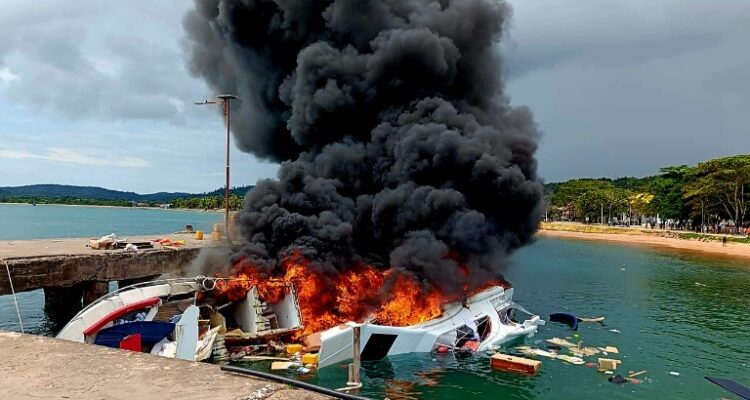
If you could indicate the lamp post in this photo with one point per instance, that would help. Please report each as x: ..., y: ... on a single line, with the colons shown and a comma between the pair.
x: 225, y: 101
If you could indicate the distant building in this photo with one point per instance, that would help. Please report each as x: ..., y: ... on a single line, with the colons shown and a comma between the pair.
x: 165, y: 206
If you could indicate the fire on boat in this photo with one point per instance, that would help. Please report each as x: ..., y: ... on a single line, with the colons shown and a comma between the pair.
x: 199, y: 318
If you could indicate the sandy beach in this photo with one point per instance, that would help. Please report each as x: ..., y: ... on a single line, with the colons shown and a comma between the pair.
x: 661, y: 240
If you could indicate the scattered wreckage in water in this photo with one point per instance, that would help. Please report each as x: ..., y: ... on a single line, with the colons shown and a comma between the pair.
x: 168, y: 318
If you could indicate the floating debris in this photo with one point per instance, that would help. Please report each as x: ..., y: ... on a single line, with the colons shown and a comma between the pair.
x: 593, y: 319
x: 565, y: 318
x: 310, y: 358
x: 561, y: 342
x: 571, y: 359
x: 608, y: 364
x: 609, y: 349
x: 505, y: 362
x: 529, y: 351
x: 281, y: 365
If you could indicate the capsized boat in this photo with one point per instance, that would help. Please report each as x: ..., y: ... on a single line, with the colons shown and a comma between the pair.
x: 157, y: 317
x: 482, y: 322
x: 175, y: 318
x: 164, y: 317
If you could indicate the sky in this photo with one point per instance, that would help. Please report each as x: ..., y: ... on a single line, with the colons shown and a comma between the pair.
x: 98, y: 93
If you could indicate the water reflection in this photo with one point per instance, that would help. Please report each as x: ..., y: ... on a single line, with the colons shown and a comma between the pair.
x: 433, y: 376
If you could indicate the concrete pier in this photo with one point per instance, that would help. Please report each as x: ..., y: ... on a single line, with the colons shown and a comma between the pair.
x: 45, y: 368
x: 73, y: 275
x: 67, y: 263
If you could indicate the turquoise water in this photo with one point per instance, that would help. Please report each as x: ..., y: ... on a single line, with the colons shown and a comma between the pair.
x: 668, y: 319
x: 23, y: 221
x: 676, y: 312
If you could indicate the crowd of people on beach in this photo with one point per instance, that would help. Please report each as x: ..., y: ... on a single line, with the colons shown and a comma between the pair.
x: 723, y: 227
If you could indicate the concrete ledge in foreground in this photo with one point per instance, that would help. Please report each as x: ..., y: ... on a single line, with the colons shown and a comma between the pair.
x: 45, y: 368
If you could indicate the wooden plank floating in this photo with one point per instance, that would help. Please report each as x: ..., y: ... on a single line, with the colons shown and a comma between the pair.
x: 608, y: 364
x: 505, y: 362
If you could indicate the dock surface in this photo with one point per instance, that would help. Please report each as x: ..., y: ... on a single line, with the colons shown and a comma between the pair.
x: 49, y: 263
x: 46, y: 368
x: 19, y: 249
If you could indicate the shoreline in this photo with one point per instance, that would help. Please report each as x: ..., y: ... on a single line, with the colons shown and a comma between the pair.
x: 125, y: 208
x: 714, y: 248
x: 706, y: 244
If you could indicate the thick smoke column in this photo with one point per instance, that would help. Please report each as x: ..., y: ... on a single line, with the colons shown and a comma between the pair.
x: 398, y: 145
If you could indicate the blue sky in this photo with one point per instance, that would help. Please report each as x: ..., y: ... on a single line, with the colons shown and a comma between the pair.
x: 97, y: 93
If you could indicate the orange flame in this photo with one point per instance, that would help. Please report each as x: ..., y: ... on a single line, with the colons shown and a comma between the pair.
x: 360, y: 293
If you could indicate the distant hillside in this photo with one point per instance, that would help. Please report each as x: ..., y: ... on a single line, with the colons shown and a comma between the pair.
x: 239, y: 191
x: 93, y: 192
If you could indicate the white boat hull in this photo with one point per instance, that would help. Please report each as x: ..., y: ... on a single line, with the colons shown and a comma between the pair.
x: 74, y: 329
x: 377, y: 341
x: 488, y: 308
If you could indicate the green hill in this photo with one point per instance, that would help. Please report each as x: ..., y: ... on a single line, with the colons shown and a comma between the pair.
x: 98, y: 193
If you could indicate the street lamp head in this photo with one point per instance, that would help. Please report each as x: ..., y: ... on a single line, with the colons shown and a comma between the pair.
x: 227, y: 96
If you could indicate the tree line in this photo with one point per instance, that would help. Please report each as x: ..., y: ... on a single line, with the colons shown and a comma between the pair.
x: 196, y: 202
x: 710, y: 196
x: 208, y: 202
x: 65, y: 200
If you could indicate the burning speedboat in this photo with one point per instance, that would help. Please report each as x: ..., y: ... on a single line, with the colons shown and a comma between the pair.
x: 407, y: 177
x: 181, y: 318
x: 482, y: 322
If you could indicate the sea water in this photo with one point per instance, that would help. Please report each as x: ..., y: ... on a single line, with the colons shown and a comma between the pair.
x: 24, y: 221
x: 665, y: 311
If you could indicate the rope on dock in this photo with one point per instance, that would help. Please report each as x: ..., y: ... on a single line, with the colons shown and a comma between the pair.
x: 13, y: 291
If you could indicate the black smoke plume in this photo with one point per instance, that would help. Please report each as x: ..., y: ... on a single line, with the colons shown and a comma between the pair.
x: 398, y: 145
